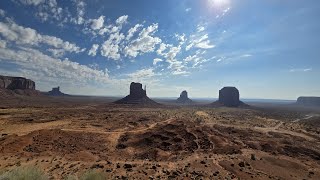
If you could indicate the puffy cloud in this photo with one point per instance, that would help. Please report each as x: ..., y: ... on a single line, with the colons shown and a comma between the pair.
x: 93, y: 50
x: 3, y: 44
x: 156, y: 60
x: 122, y: 20
x: 2, y: 13
x: 80, y: 6
x: 111, y: 48
x: 144, y: 43
x: 200, y: 28
x: 97, y: 23
x: 132, y: 31
x: 162, y: 48
x: 188, y: 9
x: 27, y: 36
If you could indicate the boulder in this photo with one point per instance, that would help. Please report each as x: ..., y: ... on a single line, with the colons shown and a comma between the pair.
x: 229, y: 96
x: 137, y: 96
x: 183, y: 99
x: 309, y: 101
x: 13, y: 83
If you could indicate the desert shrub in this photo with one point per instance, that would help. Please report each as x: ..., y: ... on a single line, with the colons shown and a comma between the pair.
x: 93, y: 175
x: 24, y: 173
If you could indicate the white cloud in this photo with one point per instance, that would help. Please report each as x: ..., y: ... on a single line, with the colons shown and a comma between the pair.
x: 80, y: 6
x: 3, y: 44
x: 32, y: 2
x: 93, y: 50
x: 97, y: 23
x: 111, y: 48
x: 122, y: 20
x: 162, y: 48
x: 142, y: 74
x: 2, y: 13
x: 132, y: 31
x: 57, y: 52
x: 156, y: 60
x: 301, y: 70
x: 144, y: 43
x: 27, y: 36
x: 188, y: 9
x: 52, y: 68
x: 201, y: 42
x: 200, y: 28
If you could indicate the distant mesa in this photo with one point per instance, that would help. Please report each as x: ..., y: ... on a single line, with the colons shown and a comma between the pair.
x: 229, y: 97
x: 17, y: 86
x: 137, y: 96
x: 308, y: 101
x: 13, y: 83
x: 56, y: 92
x: 183, y: 99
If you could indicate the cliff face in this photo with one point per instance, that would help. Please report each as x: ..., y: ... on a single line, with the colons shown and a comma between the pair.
x: 309, y: 101
x: 55, y: 92
x: 229, y: 96
x: 13, y: 83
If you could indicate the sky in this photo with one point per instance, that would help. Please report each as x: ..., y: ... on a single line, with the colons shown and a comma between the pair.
x: 268, y: 49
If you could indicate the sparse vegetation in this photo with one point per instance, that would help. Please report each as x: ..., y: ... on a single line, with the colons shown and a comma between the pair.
x: 24, y: 173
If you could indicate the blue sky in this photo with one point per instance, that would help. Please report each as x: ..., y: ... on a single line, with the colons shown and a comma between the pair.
x: 267, y: 49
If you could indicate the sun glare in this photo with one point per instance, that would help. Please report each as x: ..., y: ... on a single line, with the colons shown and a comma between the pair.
x: 219, y: 4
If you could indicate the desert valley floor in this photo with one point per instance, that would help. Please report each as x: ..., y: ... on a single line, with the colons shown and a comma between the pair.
x: 69, y: 135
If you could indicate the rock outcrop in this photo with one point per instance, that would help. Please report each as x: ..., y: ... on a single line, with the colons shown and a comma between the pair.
x: 13, y: 83
x: 137, y: 96
x: 183, y: 99
x: 229, y: 97
x: 309, y: 101
x: 13, y: 86
x: 56, y: 92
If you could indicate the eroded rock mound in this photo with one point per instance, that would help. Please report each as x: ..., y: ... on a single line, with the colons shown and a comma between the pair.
x: 137, y: 96
x: 183, y: 99
x: 309, y: 101
x: 56, y: 92
x: 13, y: 83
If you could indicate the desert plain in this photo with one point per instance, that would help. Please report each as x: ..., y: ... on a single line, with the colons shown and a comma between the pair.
x: 66, y: 136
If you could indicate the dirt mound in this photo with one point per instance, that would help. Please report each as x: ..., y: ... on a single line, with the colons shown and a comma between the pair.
x: 177, y: 138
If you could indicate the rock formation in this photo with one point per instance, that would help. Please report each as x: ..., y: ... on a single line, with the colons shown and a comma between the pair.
x: 56, y: 92
x: 13, y: 83
x: 12, y: 86
x: 309, y: 101
x: 137, y: 96
x: 183, y: 99
x: 229, y: 97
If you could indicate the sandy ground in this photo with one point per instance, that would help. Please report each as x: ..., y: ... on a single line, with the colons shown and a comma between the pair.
x: 129, y: 142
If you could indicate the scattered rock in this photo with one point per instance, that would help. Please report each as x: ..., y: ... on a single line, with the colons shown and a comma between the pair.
x: 242, y: 164
x: 253, y: 157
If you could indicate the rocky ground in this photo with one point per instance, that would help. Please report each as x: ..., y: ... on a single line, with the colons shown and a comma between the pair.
x: 68, y: 136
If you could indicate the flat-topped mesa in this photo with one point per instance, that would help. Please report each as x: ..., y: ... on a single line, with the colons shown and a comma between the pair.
x: 183, y: 99
x: 229, y: 96
x: 309, y: 101
x: 15, y: 83
x: 137, y: 96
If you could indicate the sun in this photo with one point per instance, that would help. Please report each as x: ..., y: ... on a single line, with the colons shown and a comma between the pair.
x: 219, y: 4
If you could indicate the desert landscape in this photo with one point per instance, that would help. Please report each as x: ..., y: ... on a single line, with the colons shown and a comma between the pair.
x: 66, y: 136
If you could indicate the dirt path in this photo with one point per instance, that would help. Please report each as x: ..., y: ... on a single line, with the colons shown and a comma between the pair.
x: 309, y: 116
x: 23, y: 129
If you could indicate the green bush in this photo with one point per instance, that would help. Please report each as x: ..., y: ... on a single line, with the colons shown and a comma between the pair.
x: 24, y: 173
